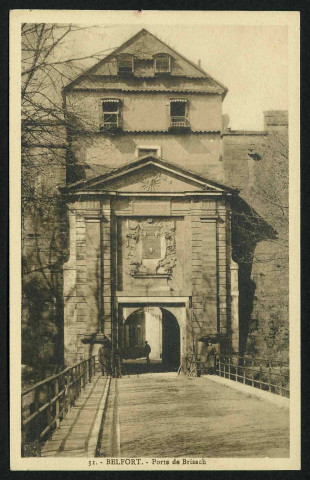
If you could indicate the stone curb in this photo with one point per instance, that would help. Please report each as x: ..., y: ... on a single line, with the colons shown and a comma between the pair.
x: 92, y: 446
x: 250, y: 391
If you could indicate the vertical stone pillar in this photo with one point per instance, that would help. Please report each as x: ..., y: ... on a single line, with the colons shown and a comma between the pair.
x: 69, y: 293
x: 93, y: 272
x: 209, y: 273
x: 234, y: 306
x: 223, y: 265
x: 197, y: 312
x: 106, y: 268
x: 81, y: 307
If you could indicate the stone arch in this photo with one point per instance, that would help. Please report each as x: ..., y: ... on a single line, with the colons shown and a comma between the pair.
x: 159, y: 325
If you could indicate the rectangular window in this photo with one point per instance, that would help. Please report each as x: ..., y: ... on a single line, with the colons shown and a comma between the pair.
x: 143, y: 150
x: 178, y: 109
x: 162, y: 64
x: 178, y: 114
x: 111, y: 114
x: 125, y: 64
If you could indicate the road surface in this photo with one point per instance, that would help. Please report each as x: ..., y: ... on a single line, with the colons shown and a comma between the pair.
x: 166, y: 415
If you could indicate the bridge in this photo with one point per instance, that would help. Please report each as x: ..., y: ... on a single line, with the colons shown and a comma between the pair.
x: 80, y: 413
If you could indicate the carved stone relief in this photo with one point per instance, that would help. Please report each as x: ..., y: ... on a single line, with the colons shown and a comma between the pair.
x: 151, y: 184
x: 150, y: 246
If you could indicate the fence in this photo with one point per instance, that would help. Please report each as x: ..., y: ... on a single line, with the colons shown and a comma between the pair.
x: 257, y: 372
x: 46, y: 403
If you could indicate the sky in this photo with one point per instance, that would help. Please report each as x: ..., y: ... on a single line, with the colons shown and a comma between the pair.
x: 250, y: 60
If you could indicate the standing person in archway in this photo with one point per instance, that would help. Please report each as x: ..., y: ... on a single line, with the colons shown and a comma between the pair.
x: 147, y: 351
x: 104, y: 357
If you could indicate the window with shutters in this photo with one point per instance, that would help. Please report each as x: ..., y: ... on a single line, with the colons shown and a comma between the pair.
x: 162, y: 64
x: 111, y: 114
x: 125, y: 64
x: 178, y: 114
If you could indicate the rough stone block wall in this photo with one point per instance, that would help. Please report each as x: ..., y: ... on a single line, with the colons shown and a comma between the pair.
x: 257, y: 164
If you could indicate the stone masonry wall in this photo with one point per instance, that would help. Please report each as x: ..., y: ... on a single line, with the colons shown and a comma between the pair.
x: 257, y: 164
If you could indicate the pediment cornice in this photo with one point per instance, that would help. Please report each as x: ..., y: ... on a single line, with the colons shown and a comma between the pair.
x: 149, y: 176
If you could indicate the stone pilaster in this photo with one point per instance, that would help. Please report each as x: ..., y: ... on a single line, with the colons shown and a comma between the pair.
x: 222, y: 266
x: 70, y: 299
x: 106, y: 268
x: 197, y: 317
x: 209, y: 272
x: 93, y: 271
x: 234, y: 306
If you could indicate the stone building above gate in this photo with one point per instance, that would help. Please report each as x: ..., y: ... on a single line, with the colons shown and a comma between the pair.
x: 149, y: 177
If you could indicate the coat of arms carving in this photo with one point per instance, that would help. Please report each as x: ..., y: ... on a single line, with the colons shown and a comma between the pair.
x: 151, y: 247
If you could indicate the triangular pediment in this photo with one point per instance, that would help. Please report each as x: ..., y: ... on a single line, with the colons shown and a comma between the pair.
x: 149, y: 175
x: 143, y: 47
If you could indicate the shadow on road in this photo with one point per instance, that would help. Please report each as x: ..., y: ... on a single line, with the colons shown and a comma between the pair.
x: 140, y: 367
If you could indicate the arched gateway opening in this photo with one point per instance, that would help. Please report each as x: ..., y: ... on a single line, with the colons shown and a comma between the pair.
x: 160, y: 328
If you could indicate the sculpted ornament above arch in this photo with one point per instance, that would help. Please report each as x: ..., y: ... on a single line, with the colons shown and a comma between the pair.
x: 151, y: 247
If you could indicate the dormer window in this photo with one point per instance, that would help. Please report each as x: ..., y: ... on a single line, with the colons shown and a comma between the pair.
x: 125, y: 64
x: 111, y: 117
x: 178, y: 114
x: 162, y: 63
x: 143, y: 150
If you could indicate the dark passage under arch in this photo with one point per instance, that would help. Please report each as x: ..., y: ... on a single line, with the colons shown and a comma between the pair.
x: 170, y: 341
x: 166, y: 348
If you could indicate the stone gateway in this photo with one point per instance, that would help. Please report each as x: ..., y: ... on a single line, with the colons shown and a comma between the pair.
x: 156, y: 193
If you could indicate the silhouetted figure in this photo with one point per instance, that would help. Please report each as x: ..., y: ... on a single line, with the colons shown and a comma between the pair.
x: 147, y: 351
x: 210, y: 357
x: 104, y: 357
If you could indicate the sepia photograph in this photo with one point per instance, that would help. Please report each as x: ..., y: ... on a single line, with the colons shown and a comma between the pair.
x: 154, y: 159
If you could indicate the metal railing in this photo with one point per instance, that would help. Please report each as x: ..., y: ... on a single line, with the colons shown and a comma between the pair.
x: 179, y: 122
x: 261, y: 373
x: 46, y: 403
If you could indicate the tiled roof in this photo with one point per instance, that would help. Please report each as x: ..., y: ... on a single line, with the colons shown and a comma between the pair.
x: 166, y: 131
x: 152, y: 90
x: 146, y: 45
x: 245, y: 132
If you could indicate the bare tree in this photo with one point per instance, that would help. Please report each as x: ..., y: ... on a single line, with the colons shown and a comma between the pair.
x: 46, y: 68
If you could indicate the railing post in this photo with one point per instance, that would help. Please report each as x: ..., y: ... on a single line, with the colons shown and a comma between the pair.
x: 243, y: 373
x: 23, y: 433
x: 69, y: 378
x: 75, y: 384
x: 57, y: 409
x: 229, y: 368
x: 260, y: 374
x: 252, y: 364
x: 89, y: 369
x: 84, y: 373
x: 77, y: 387
x: 37, y: 421
x: 49, y: 411
x: 54, y: 396
x: 79, y: 380
x: 281, y: 380
x: 269, y: 375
